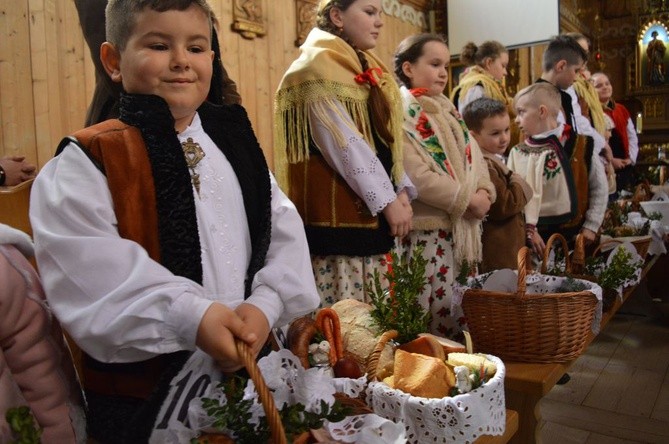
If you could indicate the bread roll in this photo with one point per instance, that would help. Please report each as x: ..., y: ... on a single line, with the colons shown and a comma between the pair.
x: 360, y: 335
x: 421, y: 375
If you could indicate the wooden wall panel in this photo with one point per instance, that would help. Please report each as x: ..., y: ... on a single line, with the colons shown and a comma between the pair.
x: 16, y: 93
x: 47, y: 76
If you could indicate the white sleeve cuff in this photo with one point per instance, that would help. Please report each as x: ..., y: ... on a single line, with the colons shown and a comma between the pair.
x: 185, y: 315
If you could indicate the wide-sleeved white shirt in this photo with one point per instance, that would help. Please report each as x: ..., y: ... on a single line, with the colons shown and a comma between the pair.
x: 355, y: 162
x: 119, y: 304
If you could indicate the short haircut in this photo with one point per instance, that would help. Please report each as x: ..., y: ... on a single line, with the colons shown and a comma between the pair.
x: 563, y: 47
x: 480, y: 109
x: 542, y: 93
x: 120, y: 16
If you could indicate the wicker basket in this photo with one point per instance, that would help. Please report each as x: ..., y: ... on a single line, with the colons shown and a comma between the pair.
x: 460, y: 418
x: 550, y: 327
x: 278, y: 435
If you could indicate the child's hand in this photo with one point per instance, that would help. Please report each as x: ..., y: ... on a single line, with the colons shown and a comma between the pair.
x: 216, y: 336
x: 618, y: 164
x: 398, y: 213
x: 588, y: 236
x: 256, y: 322
x: 538, y: 245
x: 479, y: 205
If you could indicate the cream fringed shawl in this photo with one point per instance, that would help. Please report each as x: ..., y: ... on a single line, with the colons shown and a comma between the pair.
x: 464, y: 162
x: 587, y: 91
x: 479, y: 76
x: 324, y: 73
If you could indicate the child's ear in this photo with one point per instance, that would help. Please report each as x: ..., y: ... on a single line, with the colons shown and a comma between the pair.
x: 560, y: 65
x: 111, y: 61
x: 543, y: 111
x: 335, y: 17
x: 407, y: 69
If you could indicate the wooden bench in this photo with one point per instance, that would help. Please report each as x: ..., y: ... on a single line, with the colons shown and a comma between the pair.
x: 526, y: 383
x: 14, y: 205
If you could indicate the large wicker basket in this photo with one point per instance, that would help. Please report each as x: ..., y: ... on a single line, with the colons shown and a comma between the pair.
x: 548, y: 327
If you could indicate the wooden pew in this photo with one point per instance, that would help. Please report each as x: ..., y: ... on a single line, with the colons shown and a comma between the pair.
x: 14, y: 204
x: 526, y: 383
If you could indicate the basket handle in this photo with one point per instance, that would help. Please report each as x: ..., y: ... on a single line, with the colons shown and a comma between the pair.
x: 578, y: 257
x: 556, y: 237
x: 603, y: 244
x: 373, y: 359
x: 264, y: 394
x: 524, y: 268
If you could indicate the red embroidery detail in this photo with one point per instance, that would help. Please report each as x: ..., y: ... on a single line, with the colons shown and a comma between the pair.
x: 423, y: 126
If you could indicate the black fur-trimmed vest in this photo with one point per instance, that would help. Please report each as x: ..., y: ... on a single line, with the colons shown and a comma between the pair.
x: 142, y: 159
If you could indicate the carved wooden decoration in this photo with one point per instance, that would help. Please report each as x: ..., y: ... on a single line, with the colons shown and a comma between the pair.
x: 306, y: 19
x: 248, y: 18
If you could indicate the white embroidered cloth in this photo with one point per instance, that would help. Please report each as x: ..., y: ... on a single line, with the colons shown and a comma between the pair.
x: 461, y: 418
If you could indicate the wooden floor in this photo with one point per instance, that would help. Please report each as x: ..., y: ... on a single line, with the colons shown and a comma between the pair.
x: 619, y: 389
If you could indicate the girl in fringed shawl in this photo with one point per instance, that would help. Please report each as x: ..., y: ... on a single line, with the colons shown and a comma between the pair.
x: 338, y: 149
x: 484, y: 77
x: 449, y: 172
x: 486, y: 70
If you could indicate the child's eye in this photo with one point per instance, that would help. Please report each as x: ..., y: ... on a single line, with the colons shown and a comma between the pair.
x: 158, y: 46
x: 196, y: 49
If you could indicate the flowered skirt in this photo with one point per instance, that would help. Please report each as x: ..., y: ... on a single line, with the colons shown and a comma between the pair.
x: 347, y: 277
x: 441, y: 272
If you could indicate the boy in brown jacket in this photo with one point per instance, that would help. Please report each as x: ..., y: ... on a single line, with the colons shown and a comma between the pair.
x: 504, y: 228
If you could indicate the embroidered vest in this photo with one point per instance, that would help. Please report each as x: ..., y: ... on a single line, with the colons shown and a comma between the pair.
x: 337, y: 221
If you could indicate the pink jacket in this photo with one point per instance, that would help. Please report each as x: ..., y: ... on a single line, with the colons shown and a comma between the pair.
x: 35, y: 364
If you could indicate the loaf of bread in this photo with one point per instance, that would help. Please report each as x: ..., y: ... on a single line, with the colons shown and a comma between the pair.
x: 474, y: 362
x: 448, y: 345
x: 421, y: 375
x: 360, y: 335
x: 425, y: 345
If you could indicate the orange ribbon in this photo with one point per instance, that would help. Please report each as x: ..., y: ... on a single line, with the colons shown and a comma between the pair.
x: 369, y: 76
x: 417, y: 92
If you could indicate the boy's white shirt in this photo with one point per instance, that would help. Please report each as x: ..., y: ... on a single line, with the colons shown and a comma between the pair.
x: 122, y: 306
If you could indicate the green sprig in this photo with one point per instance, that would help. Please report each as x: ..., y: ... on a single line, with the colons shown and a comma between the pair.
x: 400, y: 310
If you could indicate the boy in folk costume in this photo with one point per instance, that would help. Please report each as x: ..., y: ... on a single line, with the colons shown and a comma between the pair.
x: 446, y: 165
x: 338, y: 150
x: 504, y: 227
x: 162, y: 236
x: 568, y: 182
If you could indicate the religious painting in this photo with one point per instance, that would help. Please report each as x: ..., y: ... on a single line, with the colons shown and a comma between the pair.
x: 248, y: 18
x: 306, y: 19
x: 653, y: 55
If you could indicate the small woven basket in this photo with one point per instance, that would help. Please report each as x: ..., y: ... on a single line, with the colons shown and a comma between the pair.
x: 548, y: 327
x: 278, y: 435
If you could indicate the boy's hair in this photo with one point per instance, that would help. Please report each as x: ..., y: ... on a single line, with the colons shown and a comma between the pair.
x: 409, y: 50
x: 480, y: 109
x: 563, y: 47
x: 541, y: 93
x: 476, y: 55
x: 578, y: 36
x: 120, y: 16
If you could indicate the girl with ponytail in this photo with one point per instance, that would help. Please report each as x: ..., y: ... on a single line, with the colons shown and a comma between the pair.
x: 338, y: 149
